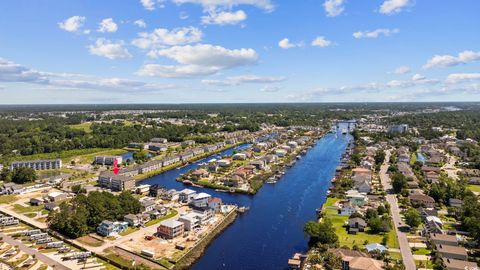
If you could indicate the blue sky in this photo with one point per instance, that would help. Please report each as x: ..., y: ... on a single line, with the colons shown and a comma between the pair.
x: 195, y: 51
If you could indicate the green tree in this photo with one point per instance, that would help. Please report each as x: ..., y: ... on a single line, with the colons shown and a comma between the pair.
x: 23, y: 175
x: 412, y: 217
x: 321, y: 233
x: 399, y: 183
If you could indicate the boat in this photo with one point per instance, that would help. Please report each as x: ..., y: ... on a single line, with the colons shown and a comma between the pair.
x: 298, y: 157
x: 271, y: 180
x: 243, y: 209
x: 221, y: 190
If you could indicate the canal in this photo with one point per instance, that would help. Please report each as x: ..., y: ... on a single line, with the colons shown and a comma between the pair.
x: 272, y: 230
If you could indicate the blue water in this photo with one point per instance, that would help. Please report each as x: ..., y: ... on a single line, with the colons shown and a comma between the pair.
x: 272, y: 230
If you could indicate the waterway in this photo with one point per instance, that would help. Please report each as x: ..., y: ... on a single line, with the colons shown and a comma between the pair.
x: 272, y: 230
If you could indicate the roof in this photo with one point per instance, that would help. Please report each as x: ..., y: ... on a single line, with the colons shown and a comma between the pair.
x: 364, y: 263
x: 215, y: 200
x: 434, y: 219
x: 443, y: 237
x: 201, y: 195
x: 452, y: 249
x: 171, y: 223
x: 55, y: 194
x: 361, y: 170
x: 130, y: 216
x: 421, y: 197
x: 458, y: 264
x: 188, y: 191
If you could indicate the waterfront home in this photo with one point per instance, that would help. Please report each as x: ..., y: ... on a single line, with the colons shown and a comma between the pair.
x: 198, y: 151
x: 223, y: 162
x: 356, y: 198
x: 443, y: 239
x: 292, y: 144
x: 108, y: 160
x: 356, y: 225
x: 191, y: 220
x: 200, y: 200
x: 452, y: 264
x: 48, y: 164
x: 421, y: 200
x: 214, y: 204
x: 170, y: 228
x: 107, y: 227
x: 361, y: 263
x: 452, y: 252
x: 271, y: 158
x: 233, y: 181
x: 260, y: 164
x: 142, y: 189
x: 347, y: 210
x: 186, y: 195
x: 199, y: 174
x: 281, y: 152
x: 239, y: 156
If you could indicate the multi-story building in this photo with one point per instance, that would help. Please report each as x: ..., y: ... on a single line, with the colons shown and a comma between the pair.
x: 170, y: 229
x: 48, y: 164
x: 107, y: 227
x: 115, y: 182
x: 108, y: 160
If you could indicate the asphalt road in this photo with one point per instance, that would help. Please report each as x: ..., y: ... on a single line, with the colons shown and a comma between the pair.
x: 405, y: 250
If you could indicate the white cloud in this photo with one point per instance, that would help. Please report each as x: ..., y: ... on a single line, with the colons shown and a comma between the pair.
x: 450, y: 60
x: 179, y: 71
x: 72, y: 24
x: 285, y: 44
x: 107, y: 25
x: 152, y: 4
x: 198, y: 60
x: 402, y: 70
x: 109, y: 49
x: 334, y: 8
x: 161, y: 37
x: 228, y: 4
x: 393, y: 6
x: 375, y: 33
x: 462, y: 77
x: 224, y: 17
x: 418, y: 77
x: 270, y: 88
x: 11, y: 72
x: 237, y: 80
x: 210, y: 55
x: 321, y: 42
x: 140, y: 23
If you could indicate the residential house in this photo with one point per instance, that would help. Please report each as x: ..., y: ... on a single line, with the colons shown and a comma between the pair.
x: 223, y: 162
x: 133, y: 220
x: 56, y: 196
x: 107, y: 227
x: 147, y: 205
x: 356, y: 225
x: 455, y: 203
x: 422, y: 200
x: 186, y: 195
x: 347, y: 210
x: 214, y: 204
x: 239, y: 156
x: 452, y: 264
x: 170, y: 229
x: 200, y: 173
x: 233, y: 181
x: 443, y: 239
x: 200, y: 200
x: 361, y: 263
x: 191, y: 220
x: 452, y: 252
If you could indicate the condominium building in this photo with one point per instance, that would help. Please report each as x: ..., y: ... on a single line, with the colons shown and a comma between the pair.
x: 115, y: 182
x: 48, y: 164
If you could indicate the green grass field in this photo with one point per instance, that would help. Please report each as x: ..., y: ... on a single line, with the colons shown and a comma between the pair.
x: 156, y: 221
x: 84, y: 126
x: 68, y: 155
x: 7, y: 199
x: 474, y: 188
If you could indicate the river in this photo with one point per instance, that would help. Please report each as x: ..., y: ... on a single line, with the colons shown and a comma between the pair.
x: 272, y: 230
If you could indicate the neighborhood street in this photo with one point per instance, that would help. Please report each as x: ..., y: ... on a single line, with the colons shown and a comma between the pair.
x: 407, y: 256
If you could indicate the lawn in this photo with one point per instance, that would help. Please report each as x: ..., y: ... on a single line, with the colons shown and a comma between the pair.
x: 474, y: 188
x: 88, y: 158
x: 421, y: 251
x: 7, y: 199
x: 359, y: 239
x: 26, y: 209
x: 83, y: 126
x: 156, y: 221
x: 129, y: 230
